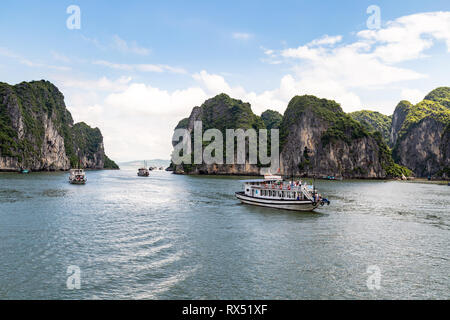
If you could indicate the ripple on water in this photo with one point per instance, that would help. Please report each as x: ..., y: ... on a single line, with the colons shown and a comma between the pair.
x: 54, y: 193
x: 12, y: 195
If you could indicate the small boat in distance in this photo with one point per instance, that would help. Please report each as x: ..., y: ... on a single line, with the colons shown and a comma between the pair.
x: 143, y: 172
x: 274, y: 192
x: 77, y: 176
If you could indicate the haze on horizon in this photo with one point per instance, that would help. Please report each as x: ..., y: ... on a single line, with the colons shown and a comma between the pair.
x: 135, y: 69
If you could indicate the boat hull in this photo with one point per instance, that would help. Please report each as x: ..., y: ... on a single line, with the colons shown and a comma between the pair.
x: 77, y: 181
x: 143, y: 175
x: 295, y: 205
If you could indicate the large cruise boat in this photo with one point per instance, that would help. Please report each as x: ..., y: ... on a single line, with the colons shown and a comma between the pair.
x: 273, y: 191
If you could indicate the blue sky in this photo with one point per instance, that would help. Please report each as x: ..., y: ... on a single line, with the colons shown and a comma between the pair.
x: 136, y: 67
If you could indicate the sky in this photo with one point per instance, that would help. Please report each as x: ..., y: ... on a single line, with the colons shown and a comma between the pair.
x: 135, y: 68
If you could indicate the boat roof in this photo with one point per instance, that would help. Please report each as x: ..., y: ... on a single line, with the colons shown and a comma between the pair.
x: 258, y: 180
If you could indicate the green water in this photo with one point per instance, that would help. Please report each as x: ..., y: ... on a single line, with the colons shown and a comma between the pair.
x: 177, y: 237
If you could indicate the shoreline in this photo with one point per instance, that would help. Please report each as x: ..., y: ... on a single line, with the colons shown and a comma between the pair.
x: 52, y: 171
x: 411, y: 180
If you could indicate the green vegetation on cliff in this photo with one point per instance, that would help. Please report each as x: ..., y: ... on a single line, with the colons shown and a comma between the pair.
x: 440, y: 95
x: 183, y: 123
x: 341, y: 126
x: 424, y: 110
x: 374, y: 122
x: 272, y: 119
x: 110, y: 164
x: 223, y: 112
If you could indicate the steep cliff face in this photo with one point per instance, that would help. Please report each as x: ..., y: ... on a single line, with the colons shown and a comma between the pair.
x: 87, y: 144
x: 422, y: 141
x: 319, y: 139
x: 398, y: 118
x: 37, y: 131
x: 221, y: 112
x: 445, y: 152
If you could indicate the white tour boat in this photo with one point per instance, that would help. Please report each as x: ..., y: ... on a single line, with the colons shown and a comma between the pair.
x: 273, y: 192
x: 77, y: 176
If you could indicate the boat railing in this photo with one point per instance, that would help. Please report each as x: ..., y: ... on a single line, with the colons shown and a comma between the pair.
x: 307, y: 193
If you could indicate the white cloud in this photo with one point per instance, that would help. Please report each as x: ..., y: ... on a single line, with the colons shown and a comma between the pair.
x: 412, y: 95
x: 340, y: 71
x: 129, y: 47
x: 407, y: 37
x: 29, y: 63
x: 60, y: 57
x: 140, y: 67
x: 326, y: 40
x: 102, y: 84
x: 241, y: 35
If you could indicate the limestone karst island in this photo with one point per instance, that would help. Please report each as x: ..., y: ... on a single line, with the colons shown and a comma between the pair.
x: 37, y: 132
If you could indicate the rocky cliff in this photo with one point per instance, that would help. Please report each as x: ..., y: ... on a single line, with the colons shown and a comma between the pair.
x: 221, y: 112
x: 37, y: 132
x: 420, y: 134
x: 316, y: 138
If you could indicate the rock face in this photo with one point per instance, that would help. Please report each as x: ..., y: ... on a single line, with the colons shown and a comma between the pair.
x: 445, y: 152
x: 398, y: 118
x: 319, y: 139
x: 37, y: 131
x: 316, y: 138
x: 420, y: 135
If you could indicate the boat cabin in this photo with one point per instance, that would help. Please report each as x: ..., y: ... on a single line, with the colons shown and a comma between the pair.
x: 279, y: 189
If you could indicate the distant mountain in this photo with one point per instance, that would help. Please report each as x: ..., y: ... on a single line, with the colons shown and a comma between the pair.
x: 37, y: 131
